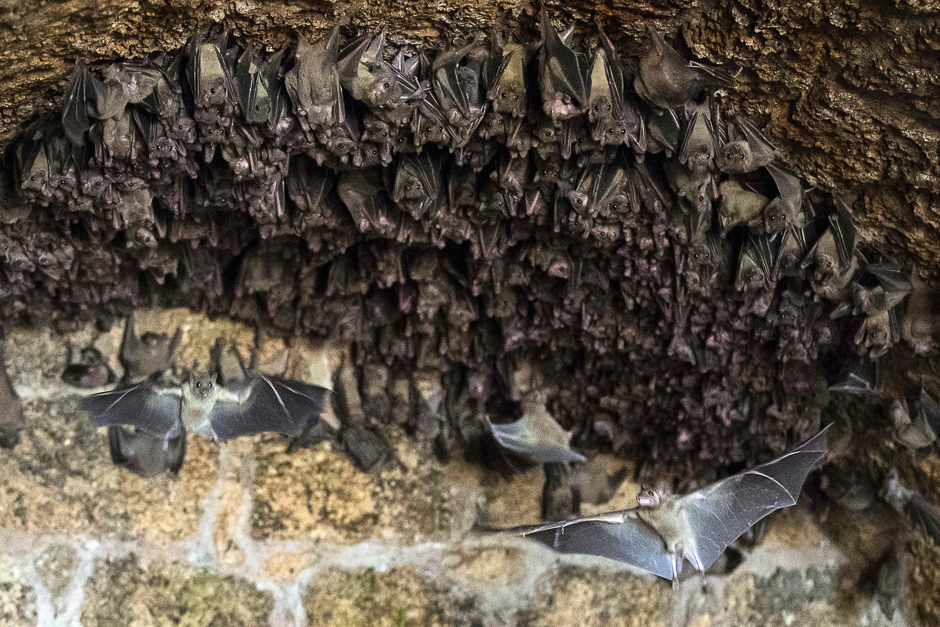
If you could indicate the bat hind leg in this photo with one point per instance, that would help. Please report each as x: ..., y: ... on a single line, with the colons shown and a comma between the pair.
x: 697, y: 563
x: 676, y: 559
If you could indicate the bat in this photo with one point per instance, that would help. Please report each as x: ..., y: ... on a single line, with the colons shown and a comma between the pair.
x: 365, y: 74
x: 78, y: 93
x: 145, y: 454
x: 146, y: 355
x: 740, y: 206
x: 507, y: 88
x: 912, y: 506
x: 747, y: 149
x: 787, y: 208
x: 597, y: 187
x: 313, y: 83
x: 664, y: 131
x: 308, y: 186
x: 457, y: 87
x: 894, y: 284
x: 833, y: 251
x: 165, y: 100
x: 256, y: 85
x: 756, y: 262
x: 697, y: 150
x: 363, y: 196
x: 208, y: 74
x: 34, y: 172
x: 165, y: 408
x: 11, y: 411
x: 794, y: 246
x: 923, y: 430
x: 536, y: 436
x: 862, y: 378
x: 666, y: 80
x: 665, y: 530
x: 91, y: 372
x: 562, y: 75
x: 417, y: 181
x: 606, y: 84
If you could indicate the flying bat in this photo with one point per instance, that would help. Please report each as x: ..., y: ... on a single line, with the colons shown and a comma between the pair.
x: 536, y: 436
x: 664, y: 530
x: 165, y: 407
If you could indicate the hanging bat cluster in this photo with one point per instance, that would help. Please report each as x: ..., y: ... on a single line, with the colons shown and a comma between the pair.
x: 451, y: 213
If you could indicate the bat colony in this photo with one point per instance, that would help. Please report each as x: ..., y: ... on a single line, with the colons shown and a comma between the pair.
x: 451, y: 214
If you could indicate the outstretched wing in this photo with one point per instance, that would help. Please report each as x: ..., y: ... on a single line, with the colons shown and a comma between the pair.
x: 633, y: 542
x: 720, y: 513
x: 265, y: 403
x: 145, y: 406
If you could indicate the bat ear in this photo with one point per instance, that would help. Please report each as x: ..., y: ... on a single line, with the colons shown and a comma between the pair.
x: 213, y: 378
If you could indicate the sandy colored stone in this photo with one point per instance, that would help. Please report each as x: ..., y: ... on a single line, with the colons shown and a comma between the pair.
x: 396, y: 598
x: 318, y: 493
x: 54, y: 566
x: 17, y: 598
x: 494, y: 566
x: 593, y: 597
x: 788, y: 597
x: 289, y: 563
x: 60, y: 479
x: 516, y: 501
x: 234, y: 498
x: 124, y: 592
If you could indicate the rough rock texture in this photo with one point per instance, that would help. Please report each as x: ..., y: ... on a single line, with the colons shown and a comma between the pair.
x: 847, y: 87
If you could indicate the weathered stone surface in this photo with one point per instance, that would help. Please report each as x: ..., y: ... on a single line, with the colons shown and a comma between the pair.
x: 17, y: 598
x: 125, y: 592
x: 591, y: 596
x: 399, y: 597
x: 318, y: 493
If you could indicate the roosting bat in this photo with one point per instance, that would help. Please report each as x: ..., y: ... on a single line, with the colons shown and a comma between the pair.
x: 664, y: 530
x: 165, y: 407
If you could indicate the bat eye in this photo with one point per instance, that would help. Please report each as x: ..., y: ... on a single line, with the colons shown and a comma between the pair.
x: 385, y: 85
x: 97, y: 183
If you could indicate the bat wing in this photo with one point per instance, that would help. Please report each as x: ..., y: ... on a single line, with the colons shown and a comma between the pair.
x: 147, y: 407
x: 723, y: 511
x: 633, y: 542
x: 561, y: 69
x: 893, y: 278
x: 75, y: 105
x: 265, y: 403
x: 762, y: 151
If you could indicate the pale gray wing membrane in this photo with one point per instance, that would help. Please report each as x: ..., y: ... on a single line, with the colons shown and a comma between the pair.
x: 154, y: 410
x: 632, y: 542
x: 720, y: 513
x: 267, y: 403
x: 520, y: 438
